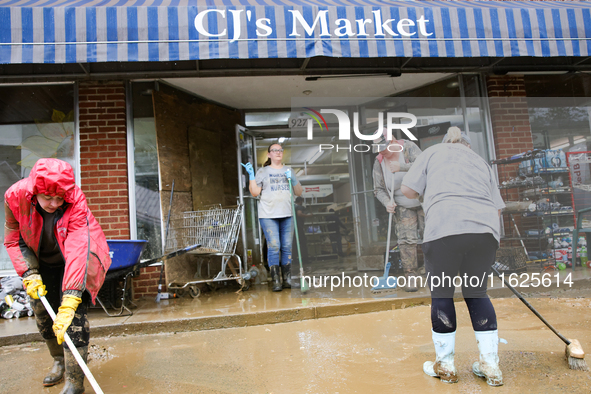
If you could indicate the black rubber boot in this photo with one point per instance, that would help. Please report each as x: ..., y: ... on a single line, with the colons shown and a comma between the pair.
x: 411, y: 284
x: 286, y: 271
x: 74, y: 374
x: 276, y: 277
x: 56, y: 374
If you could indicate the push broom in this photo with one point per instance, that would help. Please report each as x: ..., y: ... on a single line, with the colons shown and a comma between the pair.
x: 73, y: 349
x: 303, y: 285
x: 383, y: 287
x: 574, y: 352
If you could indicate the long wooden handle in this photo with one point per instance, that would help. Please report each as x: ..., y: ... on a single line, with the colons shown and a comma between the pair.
x: 531, y: 308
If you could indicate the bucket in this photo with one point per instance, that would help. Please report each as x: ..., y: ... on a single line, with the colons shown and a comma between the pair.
x: 125, y: 252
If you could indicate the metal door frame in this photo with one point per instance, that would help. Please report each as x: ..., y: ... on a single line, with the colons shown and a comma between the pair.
x: 241, y: 196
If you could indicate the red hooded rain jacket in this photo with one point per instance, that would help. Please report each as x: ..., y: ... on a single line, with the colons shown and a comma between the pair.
x: 78, y: 234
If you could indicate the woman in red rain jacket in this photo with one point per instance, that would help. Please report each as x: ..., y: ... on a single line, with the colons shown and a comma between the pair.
x: 59, y: 249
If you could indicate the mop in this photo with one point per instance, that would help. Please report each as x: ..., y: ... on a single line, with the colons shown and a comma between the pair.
x: 574, y: 351
x: 303, y: 286
x: 73, y: 349
x: 385, y: 286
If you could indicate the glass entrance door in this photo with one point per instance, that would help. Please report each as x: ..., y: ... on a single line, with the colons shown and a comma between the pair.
x: 251, y: 233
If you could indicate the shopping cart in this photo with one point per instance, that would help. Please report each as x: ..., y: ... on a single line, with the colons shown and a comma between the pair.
x: 216, y: 229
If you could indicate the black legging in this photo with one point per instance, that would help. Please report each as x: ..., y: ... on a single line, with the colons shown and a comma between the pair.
x: 470, y: 255
x: 79, y: 330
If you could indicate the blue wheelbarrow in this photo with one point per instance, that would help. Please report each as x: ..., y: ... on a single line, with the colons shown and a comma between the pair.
x: 125, y: 263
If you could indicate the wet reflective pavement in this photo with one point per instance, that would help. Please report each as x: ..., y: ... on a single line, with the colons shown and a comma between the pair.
x: 226, y: 308
x: 379, y: 352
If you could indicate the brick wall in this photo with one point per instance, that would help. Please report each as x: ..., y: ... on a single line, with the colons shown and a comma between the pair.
x: 103, y: 155
x: 512, y: 134
x: 103, y: 167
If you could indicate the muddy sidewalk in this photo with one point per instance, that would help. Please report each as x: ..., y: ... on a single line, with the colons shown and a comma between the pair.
x: 380, y: 352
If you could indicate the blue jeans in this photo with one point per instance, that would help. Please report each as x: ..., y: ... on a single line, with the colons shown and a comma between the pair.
x: 279, y: 235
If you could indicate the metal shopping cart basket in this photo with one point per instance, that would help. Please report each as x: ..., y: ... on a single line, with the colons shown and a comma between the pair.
x: 216, y: 229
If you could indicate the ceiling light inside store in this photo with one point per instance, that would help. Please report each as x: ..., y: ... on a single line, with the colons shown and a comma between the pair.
x: 537, y: 72
x: 280, y: 140
x: 391, y: 74
x: 307, y: 92
x: 453, y: 84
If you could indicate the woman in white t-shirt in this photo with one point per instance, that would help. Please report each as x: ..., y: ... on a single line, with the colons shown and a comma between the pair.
x: 275, y: 213
x: 462, y: 205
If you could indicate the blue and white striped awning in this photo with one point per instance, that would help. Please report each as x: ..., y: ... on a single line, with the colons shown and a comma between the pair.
x: 82, y: 31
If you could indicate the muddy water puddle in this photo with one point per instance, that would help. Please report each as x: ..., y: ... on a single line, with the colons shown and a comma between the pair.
x: 379, y: 352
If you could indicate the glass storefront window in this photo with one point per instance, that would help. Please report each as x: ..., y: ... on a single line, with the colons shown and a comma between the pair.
x: 35, y: 122
x: 147, y: 190
x: 559, y: 109
x: 560, y: 123
x: 456, y: 101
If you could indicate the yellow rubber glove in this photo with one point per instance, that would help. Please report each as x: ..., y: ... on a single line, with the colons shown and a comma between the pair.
x: 34, y: 286
x: 65, y: 315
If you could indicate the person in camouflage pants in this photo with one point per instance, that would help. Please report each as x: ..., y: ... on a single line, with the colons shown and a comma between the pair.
x: 410, y: 223
x: 395, y: 159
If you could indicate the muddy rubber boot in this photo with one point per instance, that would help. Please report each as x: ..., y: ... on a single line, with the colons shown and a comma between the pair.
x: 286, y: 273
x: 411, y: 284
x: 276, y: 277
x: 74, y: 374
x: 443, y: 367
x: 488, y: 366
x: 56, y: 374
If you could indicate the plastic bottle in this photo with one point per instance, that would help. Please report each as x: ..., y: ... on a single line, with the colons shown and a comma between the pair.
x: 257, y: 274
x: 263, y: 274
x: 584, y: 257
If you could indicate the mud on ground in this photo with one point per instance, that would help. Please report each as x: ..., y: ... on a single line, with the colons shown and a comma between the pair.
x: 379, y: 352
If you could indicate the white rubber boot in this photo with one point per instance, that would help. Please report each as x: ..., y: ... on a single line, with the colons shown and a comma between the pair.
x: 443, y: 367
x: 488, y: 366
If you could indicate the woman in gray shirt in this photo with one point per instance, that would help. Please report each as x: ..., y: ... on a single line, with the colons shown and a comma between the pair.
x: 462, y: 205
x: 274, y: 208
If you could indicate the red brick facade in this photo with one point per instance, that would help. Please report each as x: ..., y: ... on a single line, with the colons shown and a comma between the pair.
x: 146, y: 285
x: 103, y: 155
x: 511, y: 129
x: 509, y: 115
x: 103, y: 166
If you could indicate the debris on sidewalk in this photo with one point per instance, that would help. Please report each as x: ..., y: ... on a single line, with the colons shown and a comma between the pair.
x: 13, y: 298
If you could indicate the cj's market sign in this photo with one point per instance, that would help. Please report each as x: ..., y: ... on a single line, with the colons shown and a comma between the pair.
x: 298, y: 24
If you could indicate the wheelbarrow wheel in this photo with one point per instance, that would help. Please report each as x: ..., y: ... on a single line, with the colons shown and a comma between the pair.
x: 194, y: 291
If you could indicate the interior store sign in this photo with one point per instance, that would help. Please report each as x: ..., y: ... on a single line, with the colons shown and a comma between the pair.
x: 317, y: 191
x: 378, y: 25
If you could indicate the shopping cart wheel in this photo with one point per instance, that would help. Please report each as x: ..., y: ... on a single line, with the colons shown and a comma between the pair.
x: 194, y: 291
x: 179, y: 292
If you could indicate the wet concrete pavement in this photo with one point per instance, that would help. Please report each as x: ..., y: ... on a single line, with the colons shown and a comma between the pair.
x: 258, y: 341
x: 380, y: 352
x: 226, y: 308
